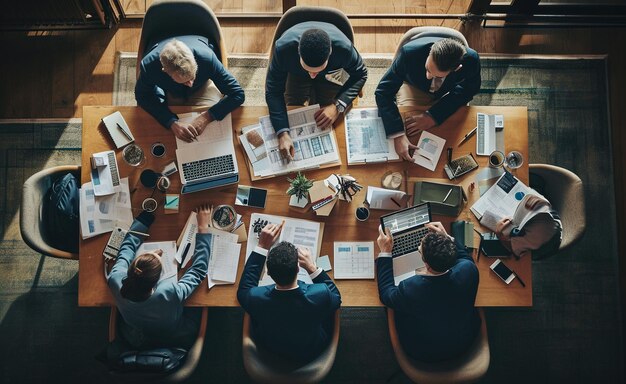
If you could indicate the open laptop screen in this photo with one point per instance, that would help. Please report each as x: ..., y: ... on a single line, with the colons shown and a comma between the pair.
x: 409, y: 218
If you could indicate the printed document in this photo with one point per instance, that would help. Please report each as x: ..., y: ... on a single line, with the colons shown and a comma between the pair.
x: 428, y: 152
x: 366, y: 140
x: 502, y: 198
x: 301, y: 233
x: 224, y: 259
x: 253, y: 143
x: 313, y: 146
x: 100, y: 214
x: 104, y: 173
x: 168, y: 259
x: 354, y: 260
x: 389, y: 199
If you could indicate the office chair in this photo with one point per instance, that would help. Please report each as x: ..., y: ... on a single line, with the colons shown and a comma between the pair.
x: 181, y: 374
x: 32, y: 229
x: 564, y: 190
x: 300, y: 14
x: 468, y: 368
x: 263, y: 367
x: 169, y: 18
x: 444, y: 32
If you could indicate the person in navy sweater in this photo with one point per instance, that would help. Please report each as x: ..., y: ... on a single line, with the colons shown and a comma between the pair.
x: 184, y: 70
x: 291, y: 319
x: 434, y: 310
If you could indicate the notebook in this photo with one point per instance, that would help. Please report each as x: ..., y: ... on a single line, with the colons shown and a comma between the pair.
x: 118, y: 129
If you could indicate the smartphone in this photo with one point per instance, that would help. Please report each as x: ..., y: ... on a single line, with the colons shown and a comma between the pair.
x: 502, y: 271
x: 250, y: 196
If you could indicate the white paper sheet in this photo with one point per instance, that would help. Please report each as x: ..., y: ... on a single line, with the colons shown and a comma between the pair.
x: 502, y: 198
x: 168, y: 259
x: 381, y: 198
x: 429, y: 150
x: 366, y: 139
x: 354, y: 260
x: 215, y: 131
x: 122, y: 216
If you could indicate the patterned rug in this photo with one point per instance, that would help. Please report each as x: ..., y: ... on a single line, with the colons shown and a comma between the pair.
x: 568, y: 335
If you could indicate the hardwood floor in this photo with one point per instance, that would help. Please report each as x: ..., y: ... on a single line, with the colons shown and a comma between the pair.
x: 55, y: 74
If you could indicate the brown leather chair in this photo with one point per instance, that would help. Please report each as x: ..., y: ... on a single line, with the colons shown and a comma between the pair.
x: 168, y: 18
x: 565, y: 191
x: 468, y: 368
x: 178, y: 376
x: 31, y: 214
x: 264, y: 367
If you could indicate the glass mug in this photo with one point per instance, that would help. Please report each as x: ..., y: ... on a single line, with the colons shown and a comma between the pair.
x: 513, y: 160
x: 133, y: 155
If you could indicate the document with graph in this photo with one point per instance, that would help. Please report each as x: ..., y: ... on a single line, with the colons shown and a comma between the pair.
x: 428, y: 152
x: 366, y: 140
x: 354, y: 260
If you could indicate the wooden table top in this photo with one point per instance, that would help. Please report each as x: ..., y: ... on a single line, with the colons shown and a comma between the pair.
x: 341, y: 225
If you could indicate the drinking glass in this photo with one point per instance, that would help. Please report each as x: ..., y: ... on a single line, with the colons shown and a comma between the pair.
x: 513, y: 160
x: 133, y: 155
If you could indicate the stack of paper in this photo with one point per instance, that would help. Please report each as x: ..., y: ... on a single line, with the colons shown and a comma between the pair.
x: 313, y: 146
x: 100, y: 214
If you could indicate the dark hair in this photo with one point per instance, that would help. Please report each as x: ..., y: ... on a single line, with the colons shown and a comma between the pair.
x: 282, y: 263
x: 447, y: 54
x: 314, y: 47
x: 438, y: 251
x: 143, y: 274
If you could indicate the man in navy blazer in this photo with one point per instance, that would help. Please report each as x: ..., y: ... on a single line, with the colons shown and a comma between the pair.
x: 426, y: 70
x: 309, y: 56
x: 434, y: 310
x: 184, y: 70
x: 291, y: 319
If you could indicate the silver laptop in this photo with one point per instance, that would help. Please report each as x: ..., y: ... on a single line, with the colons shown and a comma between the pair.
x: 407, y: 229
x: 204, y: 166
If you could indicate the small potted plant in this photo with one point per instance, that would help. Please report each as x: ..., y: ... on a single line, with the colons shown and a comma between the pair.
x: 299, y: 190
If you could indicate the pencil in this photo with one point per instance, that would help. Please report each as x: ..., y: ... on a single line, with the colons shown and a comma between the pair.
x: 447, y: 195
x: 138, y: 233
x: 394, y: 200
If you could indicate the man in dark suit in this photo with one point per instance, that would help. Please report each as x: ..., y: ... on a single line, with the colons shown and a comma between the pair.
x: 310, y: 56
x: 185, y: 71
x: 435, y: 314
x: 426, y: 70
x: 292, y: 319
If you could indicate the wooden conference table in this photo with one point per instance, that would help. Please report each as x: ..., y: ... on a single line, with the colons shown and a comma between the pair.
x: 341, y: 225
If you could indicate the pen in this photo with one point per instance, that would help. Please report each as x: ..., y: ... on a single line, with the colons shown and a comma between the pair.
x: 447, y: 195
x: 468, y: 135
x: 182, y: 260
x: 394, y: 200
x: 139, y: 233
x: 171, y: 202
x: 124, y: 131
x: 519, y: 278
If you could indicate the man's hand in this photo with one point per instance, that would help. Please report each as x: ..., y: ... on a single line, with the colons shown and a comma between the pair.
x: 306, y: 261
x: 269, y: 235
x: 403, y: 148
x: 326, y: 116
x: 535, y: 201
x: 201, y: 122
x: 286, y: 146
x: 184, y: 131
x: 385, y: 240
x: 204, y: 218
x: 501, y: 226
x: 414, y: 125
x: 437, y: 227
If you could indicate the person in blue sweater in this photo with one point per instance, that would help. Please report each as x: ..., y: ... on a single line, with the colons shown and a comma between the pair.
x: 291, y: 319
x: 184, y: 70
x: 429, y: 71
x: 434, y: 310
x: 152, y: 312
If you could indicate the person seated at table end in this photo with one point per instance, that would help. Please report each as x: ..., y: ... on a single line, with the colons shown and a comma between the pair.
x: 291, y: 319
x: 152, y: 312
x: 185, y: 71
x: 434, y: 310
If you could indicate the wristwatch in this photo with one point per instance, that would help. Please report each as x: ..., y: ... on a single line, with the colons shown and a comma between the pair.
x: 340, y: 107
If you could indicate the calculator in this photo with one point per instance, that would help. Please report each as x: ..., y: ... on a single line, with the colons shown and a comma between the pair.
x: 112, y: 248
x: 460, y: 166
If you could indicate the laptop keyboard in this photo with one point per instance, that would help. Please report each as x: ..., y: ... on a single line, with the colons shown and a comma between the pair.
x: 408, y: 242
x: 206, y: 168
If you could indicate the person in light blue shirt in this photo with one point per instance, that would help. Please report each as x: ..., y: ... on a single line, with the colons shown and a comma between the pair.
x: 152, y: 312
